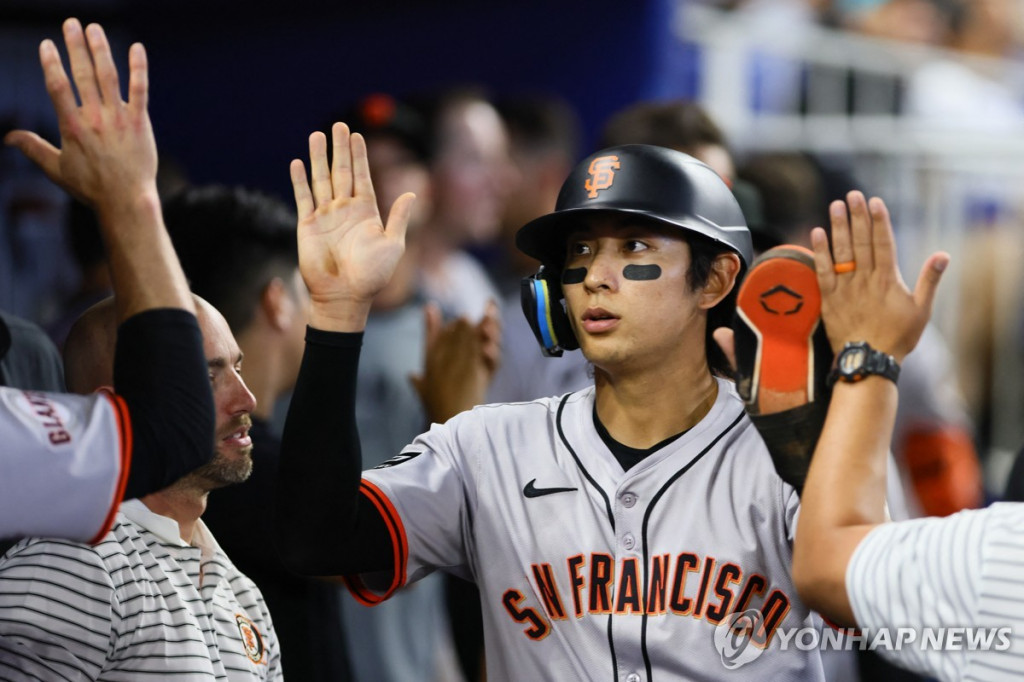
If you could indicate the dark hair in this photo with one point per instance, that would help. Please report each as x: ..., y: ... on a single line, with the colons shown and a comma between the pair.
x: 702, y: 259
x: 542, y: 124
x: 381, y: 115
x: 434, y: 108
x: 675, y: 124
x: 791, y: 189
x: 232, y: 242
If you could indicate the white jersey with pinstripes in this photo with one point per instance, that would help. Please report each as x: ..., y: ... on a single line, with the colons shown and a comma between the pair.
x: 962, y: 571
x: 139, y: 605
x: 587, y: 571
x: 64, y: 461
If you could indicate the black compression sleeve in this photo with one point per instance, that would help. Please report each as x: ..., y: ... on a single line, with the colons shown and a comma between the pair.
x: 324, y: 525
x: 160, y: 371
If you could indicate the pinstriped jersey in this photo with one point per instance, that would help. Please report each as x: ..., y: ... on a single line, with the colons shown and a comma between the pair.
x: 587, y: 571
x: 64, y: 461
x: 961, y: 571
x: 139, y: 605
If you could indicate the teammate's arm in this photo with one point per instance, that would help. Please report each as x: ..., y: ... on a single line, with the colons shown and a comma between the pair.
x: 346, y: 256
x: 107, y: 159
x: 844, y: 497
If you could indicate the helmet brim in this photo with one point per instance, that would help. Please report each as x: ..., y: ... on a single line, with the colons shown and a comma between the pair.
x: 545, y: 238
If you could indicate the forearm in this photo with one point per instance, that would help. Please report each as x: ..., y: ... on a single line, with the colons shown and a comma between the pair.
x: 143, y: 266
x: 847, y: 474
x: 845, y: 493
x: 160, y: 371
x: 322, y: 526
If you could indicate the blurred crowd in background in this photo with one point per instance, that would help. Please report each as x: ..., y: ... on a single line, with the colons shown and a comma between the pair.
x: 937, y: 130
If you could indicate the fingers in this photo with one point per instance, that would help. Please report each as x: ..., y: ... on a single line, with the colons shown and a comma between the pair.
x: 321, y: 176
x: 883, y: 242
x: 103, y: 63
x: 398, y: 216
x: 489, y: 329
x: 842, y: 247
x: 726, y: 340
x: 363, y: 186
x: 341, y: 170
x: 823, y: 264
x: 81, y: 64
x: 38, y: 151
x: 300, y: 186
x: 860, y: 231
x: 138, y: 78
x: 928, y: 280
x: 490, y: 323
x: 57, y: 84
x: 432, y: 321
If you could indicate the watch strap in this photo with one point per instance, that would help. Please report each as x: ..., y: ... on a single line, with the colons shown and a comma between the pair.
x: 874, y: 363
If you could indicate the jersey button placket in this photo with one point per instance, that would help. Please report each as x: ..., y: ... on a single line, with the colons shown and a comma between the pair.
x: 628, y: 541
x: 632, y: 677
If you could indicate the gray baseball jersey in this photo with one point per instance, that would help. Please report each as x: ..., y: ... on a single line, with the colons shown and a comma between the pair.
x: 587, y: 571
x: 64, y: 462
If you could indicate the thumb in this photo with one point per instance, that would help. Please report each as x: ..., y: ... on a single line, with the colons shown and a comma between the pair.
x: 928, y: 279
x: 398, y: 216
x: 38, y: 151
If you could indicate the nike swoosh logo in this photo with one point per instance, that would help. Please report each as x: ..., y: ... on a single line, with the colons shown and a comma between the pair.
x: 532, y: 491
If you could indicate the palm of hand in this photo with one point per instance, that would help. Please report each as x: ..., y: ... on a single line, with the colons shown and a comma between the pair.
x: 346, y: 253
x: 344, y: 250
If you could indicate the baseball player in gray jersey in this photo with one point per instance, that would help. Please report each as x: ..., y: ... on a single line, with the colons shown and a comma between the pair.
x: 610, y: 530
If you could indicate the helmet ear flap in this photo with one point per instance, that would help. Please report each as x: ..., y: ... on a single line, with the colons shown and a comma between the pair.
x: 541, y: 296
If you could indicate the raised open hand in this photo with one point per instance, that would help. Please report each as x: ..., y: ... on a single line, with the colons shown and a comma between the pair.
x: 107, y: 151
x: 346, y: 254
x: 863, y: 295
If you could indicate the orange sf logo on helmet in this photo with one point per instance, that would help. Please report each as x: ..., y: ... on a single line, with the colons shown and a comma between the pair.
x: 602, y: 174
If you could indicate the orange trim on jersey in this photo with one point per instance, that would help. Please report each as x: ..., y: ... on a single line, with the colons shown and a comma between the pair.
x: 125, y: 440
x: 399, y: 544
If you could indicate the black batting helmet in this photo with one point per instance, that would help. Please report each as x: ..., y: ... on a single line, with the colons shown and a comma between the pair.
x: 652, y: 183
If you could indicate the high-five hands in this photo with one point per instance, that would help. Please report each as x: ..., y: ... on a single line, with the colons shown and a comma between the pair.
x: 107, y: 151
x: 108, y: 159
x: 346, y: 253
x: 863, y: 295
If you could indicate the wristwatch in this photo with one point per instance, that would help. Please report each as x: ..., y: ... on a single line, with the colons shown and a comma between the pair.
x: 858, y: 360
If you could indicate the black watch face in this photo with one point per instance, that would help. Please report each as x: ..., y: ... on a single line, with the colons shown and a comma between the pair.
x: 852, y: 360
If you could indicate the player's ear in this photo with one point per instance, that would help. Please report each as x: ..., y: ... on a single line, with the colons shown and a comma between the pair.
x: 277, y: 305
x: 721, y: 280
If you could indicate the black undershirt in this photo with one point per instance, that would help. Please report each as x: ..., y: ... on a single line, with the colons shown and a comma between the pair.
x: 629, y: 457
x: 324, y: 525
x: 160, y: 371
